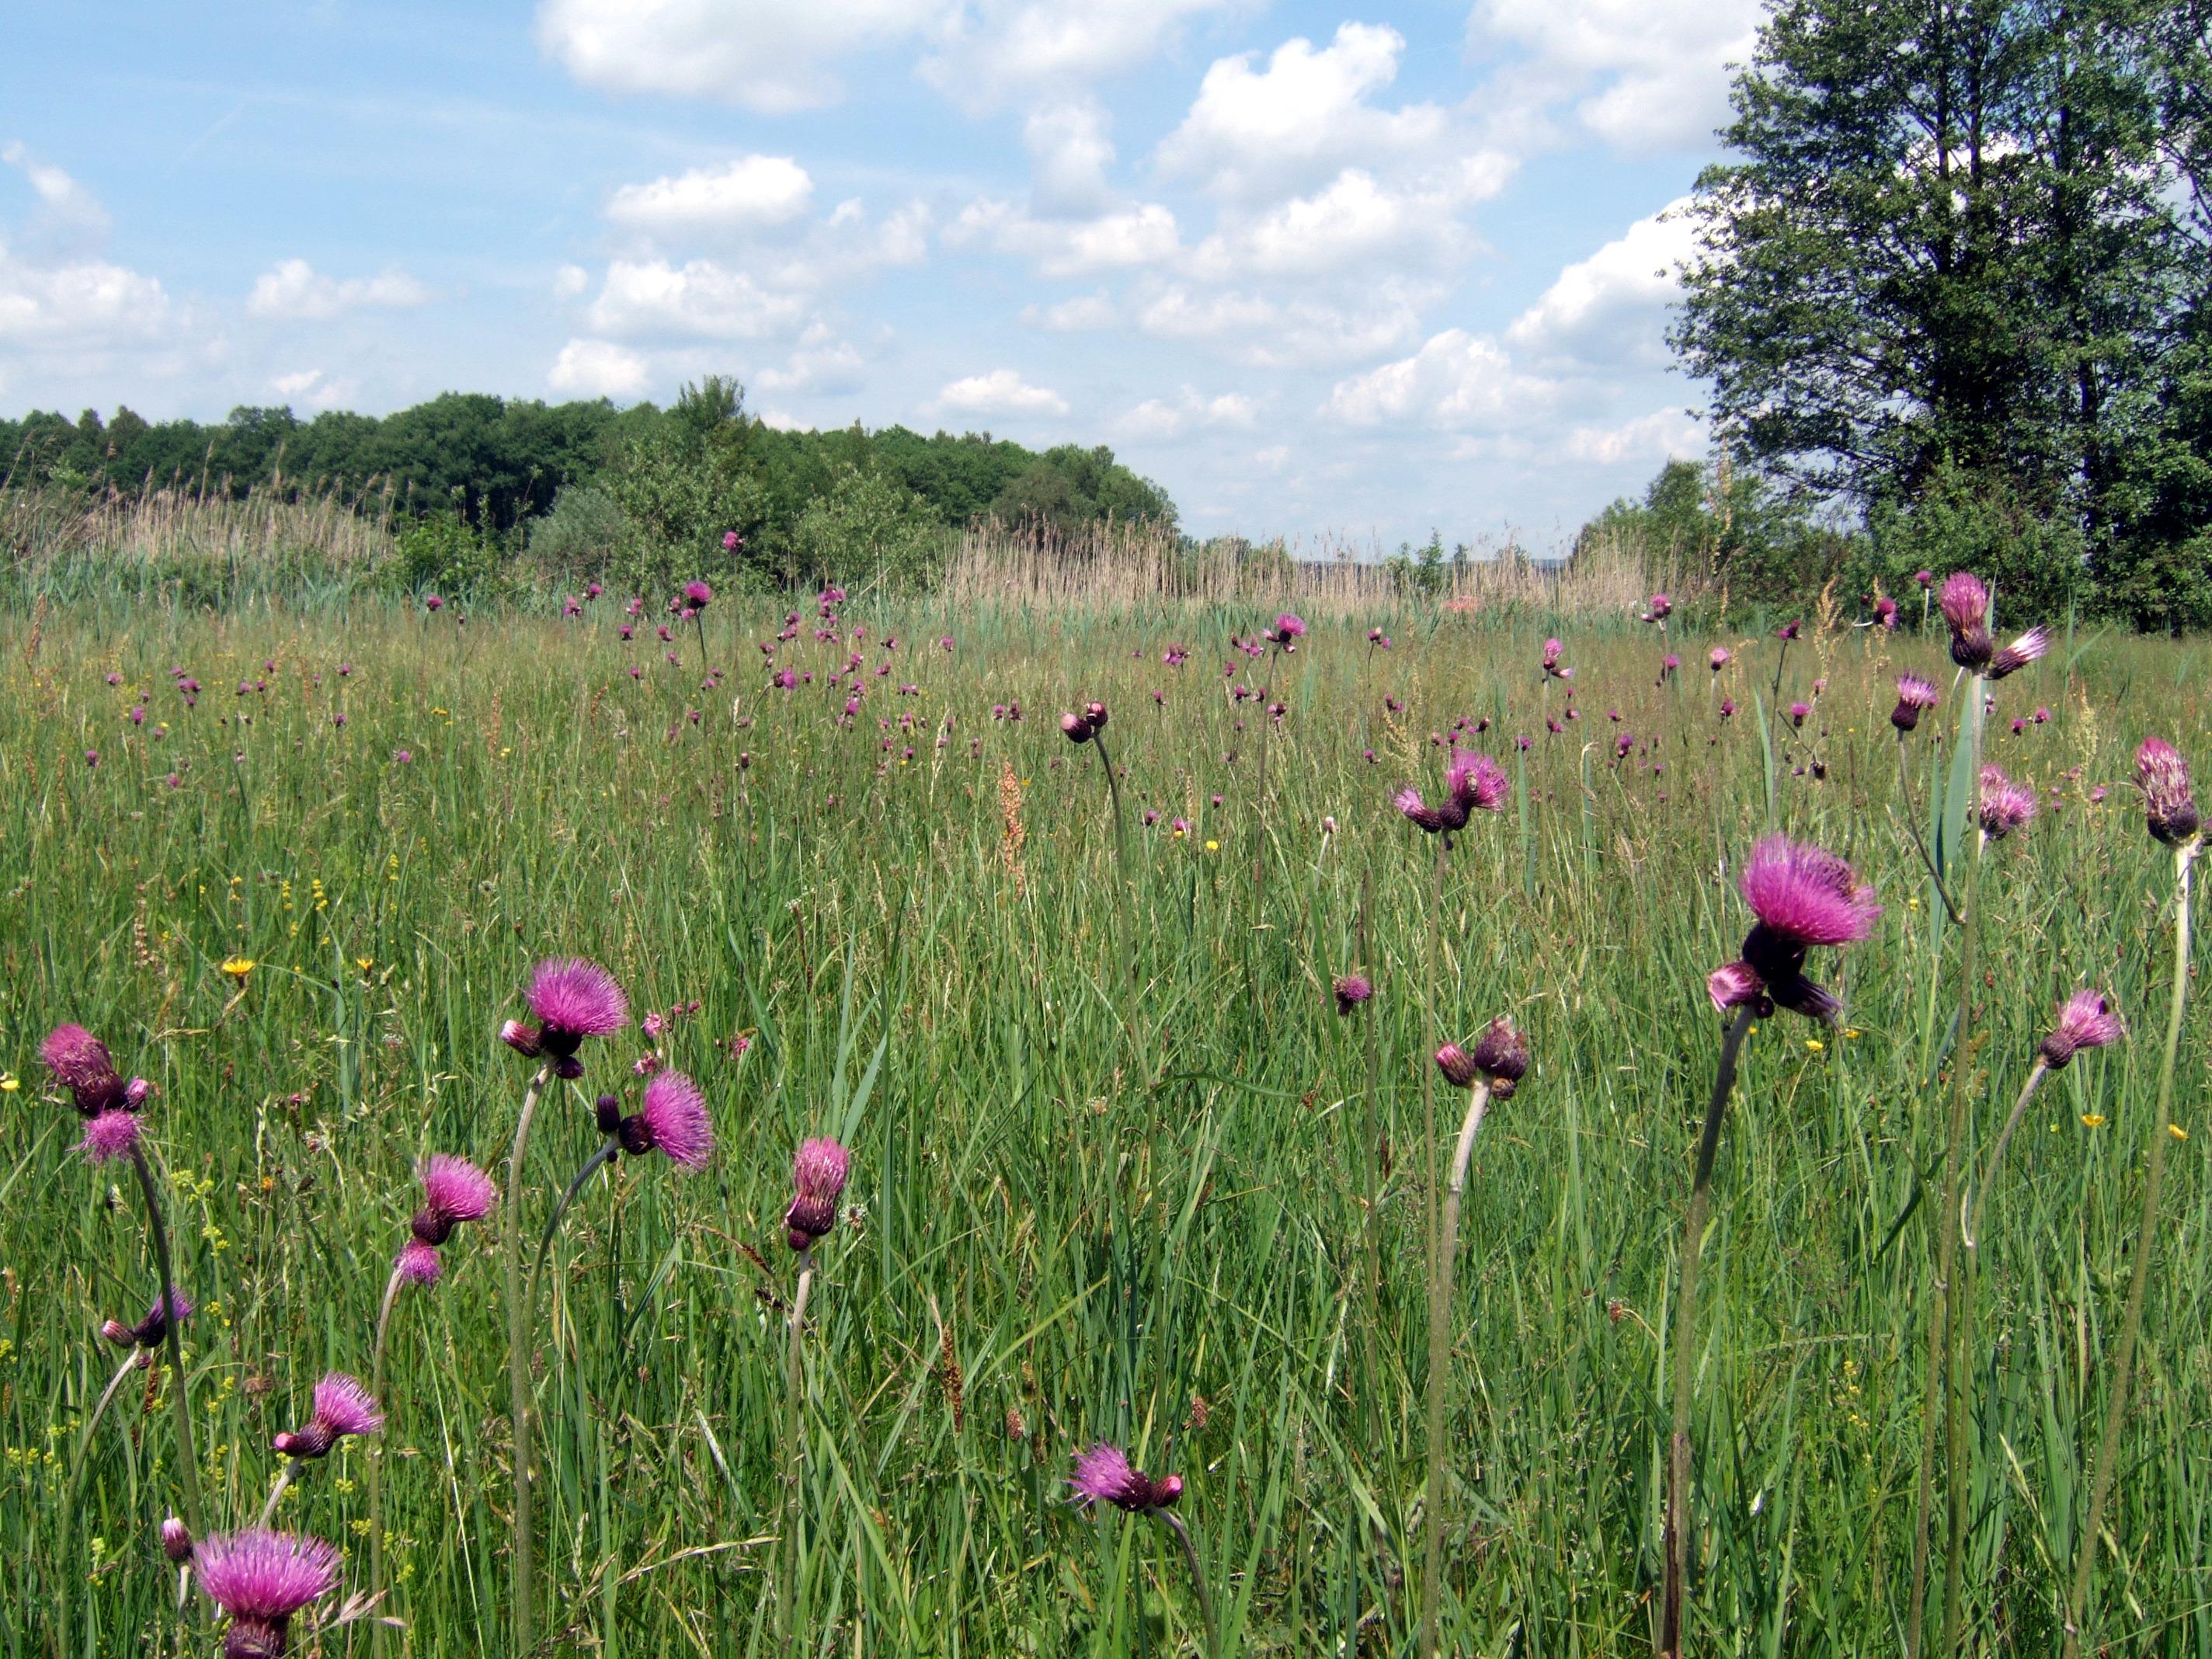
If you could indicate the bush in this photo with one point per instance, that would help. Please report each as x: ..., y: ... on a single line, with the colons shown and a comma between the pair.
x: 1963, y: 520
x: 576, y: 543
x: 440, y: 554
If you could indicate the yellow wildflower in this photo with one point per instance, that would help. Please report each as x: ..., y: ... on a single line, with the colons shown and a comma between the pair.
x: 2092, y: 1120
x: 239, y: 967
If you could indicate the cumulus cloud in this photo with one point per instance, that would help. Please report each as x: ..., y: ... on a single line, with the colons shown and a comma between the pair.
x: 1456, y: 381
x: 1069, y: 153
x: 1257, y: 132
x: 747, y: 193
x: 294, y: 291
x: 1610, y: 308
x: 1000, y: 392
x: 701, y: 299
x: 1082, y: 314
x: 1662, y: 435
x: 774, y: 59
x: 820, y: 363
x: 1260, y: 331
x: 1354, y: 222
x: 597, y: 369
x: 1141, y: 233
x: 86, y: 303
x: 311, y: 387
x: 992, y: 52
x: 570, y: 281
x: 1162, y: 417
x: 68, y: 204
x: 1638, y: 74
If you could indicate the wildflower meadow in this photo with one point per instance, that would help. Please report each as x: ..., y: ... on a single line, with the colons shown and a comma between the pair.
x: 699, y: 1123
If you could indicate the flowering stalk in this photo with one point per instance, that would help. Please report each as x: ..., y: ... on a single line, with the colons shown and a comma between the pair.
x: 1102, y: 1475
x: 2108, y: 1446
x: 818, y: 1179
x: 1197, y: 1577
x: 1676, y: 1587
x: 172, y: 1342
x: 1492, y: 1072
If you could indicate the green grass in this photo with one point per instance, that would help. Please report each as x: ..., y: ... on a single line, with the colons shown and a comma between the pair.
x: 1104, y: 1218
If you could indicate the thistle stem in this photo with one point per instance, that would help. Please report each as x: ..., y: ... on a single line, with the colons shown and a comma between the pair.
x: 794, y: 1378
x: 1371, y: 1179
x: 1972, y: 1217
x: 292, y: 1467
x: 2108, y: 1446
x: 1126, y: 937
x: 1440, y: 1311
x: 1919, y: 841
x: 1197, y: 1577
x: 1677, y: 1581
x: 376, y: 1458
x: 517, y: 1362
x: 188, y: 1460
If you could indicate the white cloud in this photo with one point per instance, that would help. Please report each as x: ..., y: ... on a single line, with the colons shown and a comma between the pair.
x: 699, y: 300
x: 1144, y: 234
x: 1273, y: 459
x: 292, y: 291
x: 80, y: 304
x: 1456, y: 380
x: 1001, y: 50
x: 1354, y: 221
x: 1160, y: 417
x: 751, y: 192
x: 597, y: 369
x: 1083, y: 314
x: 1261, y: 333
x: 1255, y: 132
x: 1069, y: 153
x: 1609, y: 308
x: 309, y: 387
x: 821, y: 364
x: 291, y: 385
x: 569, y: 282
x: 1642, y: 73
x: 1662, y: 435
x: 1001, y: 392
x: 772, y: 58
x: 67, y: 202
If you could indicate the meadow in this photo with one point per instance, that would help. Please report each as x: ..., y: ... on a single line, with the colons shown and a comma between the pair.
x: 1119, y: 1170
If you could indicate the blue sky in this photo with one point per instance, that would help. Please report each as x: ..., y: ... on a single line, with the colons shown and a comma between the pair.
x: 1332, y: 273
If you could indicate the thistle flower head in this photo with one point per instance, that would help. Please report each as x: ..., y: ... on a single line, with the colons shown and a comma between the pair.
x: 2022, y: 651
x: 154, y: 1329
x: 697, y: 596
x: 1791, y: 630
x: 1661, y: 607
x: 75, y: 1057
x: 112, y: 1134
x: 1477, y: 782
x: 1425, y: 817
x: 1914, y: 695
x: 1457, y: 1066
x: 1102, y: 1475
x: 343, y: 1405
x: 261, y: 1579
x: 1718, y: 658
x: 2005, y: 805
x: 2169, y: 807
x: 1352, y: 990
x: 817, y: 1180
x: 454, y: 1190
x: 2086, y: 1020
x: 1501, y: 1054
x: 1884, y: 611
x: 1803, y: 895
x: 1965, y: 602
x: 176, y: 1541
x: 1074, y: 727
x: 573, y: 998
x: 418, y: 1263
x: 673, y: 1120
x: 1552, y: 650
x: 1288, y: 627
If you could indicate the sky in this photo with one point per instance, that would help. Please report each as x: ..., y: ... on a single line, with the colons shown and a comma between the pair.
x: 1341, y: 275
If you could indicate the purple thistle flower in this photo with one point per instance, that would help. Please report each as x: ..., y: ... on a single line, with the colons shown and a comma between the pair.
x: 674, y: 1120
x: 1923, y: 577
x: 418, y: 1263
x: 1551, y: 661
x: 573, y: 998
x: 153, y: 1330
x: 1884, y: 611
x: 2005, y: 805
x: 1717, y: 658
x: 1914, y: 695
x: 1425, y: 817
x: 1352, y: 990
x: 1457, y: 1066
x: 1798, y: 711
x: 1502, y: 1056
x: 434, y: 603
x: 176, y: 1541
x: 1102, y: 1475
x: 817, y: 1178
x: 697, y: 596
x: 261, y: 1579
x: 454, y: 1190
x: 112, y: 1134
x: 1477, y: 782
x: 2169, y: 806
x: 2086, y: 1020
x: 81, y: 1063
x: 1965, y: 602
x: 1662, y: 607
x: 1074, y: 727
x: 2022, y: 651
x: 1803, y: 895
x: 343, y: 1406
x: 1791, y: 630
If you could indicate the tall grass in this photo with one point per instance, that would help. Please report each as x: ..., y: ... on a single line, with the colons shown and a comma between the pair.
x: 1045, y: 1244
